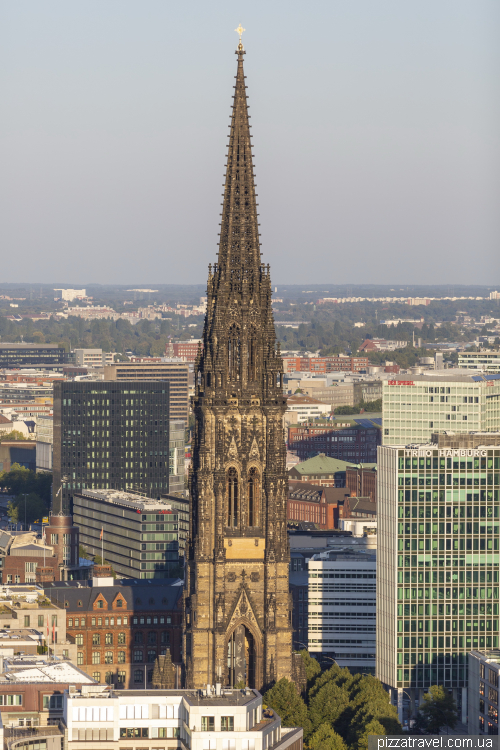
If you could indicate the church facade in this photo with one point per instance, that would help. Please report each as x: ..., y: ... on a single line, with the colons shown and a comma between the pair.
x: 237, y: 607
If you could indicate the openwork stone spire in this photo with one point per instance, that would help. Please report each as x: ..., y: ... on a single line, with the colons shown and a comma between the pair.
x: 237, y: 611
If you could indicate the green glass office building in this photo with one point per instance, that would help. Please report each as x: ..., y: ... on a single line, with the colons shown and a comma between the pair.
x: 438, y: 562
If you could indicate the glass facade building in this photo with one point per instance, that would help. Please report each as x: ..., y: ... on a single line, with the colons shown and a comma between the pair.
x: 31, y: 355
x: 438, y: 561
x: 110, y: 435
x: 415, y: 408
x: 140, y: 536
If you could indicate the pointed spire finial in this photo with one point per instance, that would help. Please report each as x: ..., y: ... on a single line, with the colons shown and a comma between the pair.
x: 240, y: 31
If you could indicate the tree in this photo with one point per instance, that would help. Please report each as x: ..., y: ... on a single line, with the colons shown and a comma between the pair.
x: 346, y: 410
x: 373, y: 727
x: 311, y: 665
x: 19, y: 481
x: 29, y: 506
x: 326, y: 738
x: 438, y: 709
x: 12, y: 435
x: 327, y: 704
x: 285, y: 700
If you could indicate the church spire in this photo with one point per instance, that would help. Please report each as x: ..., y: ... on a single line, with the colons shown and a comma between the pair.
x: 239, y: 237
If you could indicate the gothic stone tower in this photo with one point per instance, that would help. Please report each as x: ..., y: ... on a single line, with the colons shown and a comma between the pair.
x: 237, y: 606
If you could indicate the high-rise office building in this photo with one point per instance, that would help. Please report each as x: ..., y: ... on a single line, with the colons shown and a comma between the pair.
x: 110, y: 435
x: 341, y: 609
x: 438, y: 562
x: 175, y: 373
x: 177, y: 454
x: 417, y: 406
x: 138, y: 536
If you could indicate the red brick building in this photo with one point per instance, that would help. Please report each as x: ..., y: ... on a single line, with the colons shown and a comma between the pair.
x: 362, y: 481
x: 352, y: 443
x: 119, y: 630
x: 324, y: 364
x: 314, y: 504
x: 186, y: 350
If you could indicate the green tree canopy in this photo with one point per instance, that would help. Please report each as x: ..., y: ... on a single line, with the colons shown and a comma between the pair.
x: 12, y: 435
x: 327, y: 705
x: 19, y: 480
x: 288, y: 704
x: 326, y: 738
x: 438, y: 709
x: 29, y: 506
x: 311, y: 665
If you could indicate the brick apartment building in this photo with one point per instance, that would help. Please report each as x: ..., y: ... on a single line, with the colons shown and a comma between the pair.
x: 361, y: 481
x: 120, y: 630
x: 346, y: 441
x: 325, y: 364
x: 185, y: 350
x: 320, y: 470
x: 314, y: 504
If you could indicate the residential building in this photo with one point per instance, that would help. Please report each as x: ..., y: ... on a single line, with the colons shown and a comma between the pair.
x: 361, y: 481
x: 324, y: 364
x: 341, y: 608
x: 486, y: 361
x: 482, y: 693
x: 91, y: 358
x: 359, y: 516
x: 314, y: 504
x: 68, y: 295
x: 321, y: 470
x: 346, y: 440
x: 175, y: 373
x: 120, y: 628
x: 110, y: 435
x: 416, y: 407
x: 185, y: 350
x: 381, y: 345
x: 211, y: 718
x: 307, y: 408
x: 31, y: 697
x: 138, y: 536
x: 31, y: 355
x: 438, y: 565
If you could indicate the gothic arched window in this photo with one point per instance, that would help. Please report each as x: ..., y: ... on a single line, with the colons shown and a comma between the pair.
x: 232, y: 498
x: 252, y: 355
x: 253, y: 497
x: 233, y: 353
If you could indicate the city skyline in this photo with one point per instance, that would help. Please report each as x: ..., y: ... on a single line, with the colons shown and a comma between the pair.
x: 381, y: 141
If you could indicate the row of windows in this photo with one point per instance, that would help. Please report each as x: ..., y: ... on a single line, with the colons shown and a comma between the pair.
x: 455, y: 642
x: 448, y: 593
x: 448, y: 511
x: 432, y: 544
x: 414, y: 610
x: 108, y: 657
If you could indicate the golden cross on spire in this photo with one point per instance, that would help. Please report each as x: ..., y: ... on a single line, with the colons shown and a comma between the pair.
x: 240, y: 31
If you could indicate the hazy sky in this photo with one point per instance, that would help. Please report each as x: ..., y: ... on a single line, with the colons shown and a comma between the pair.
x: 376, y: 129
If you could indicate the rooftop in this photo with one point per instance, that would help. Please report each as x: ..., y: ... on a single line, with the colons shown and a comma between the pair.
x: 127, y: 499
x: 34, y: 669
x: 322, y: 464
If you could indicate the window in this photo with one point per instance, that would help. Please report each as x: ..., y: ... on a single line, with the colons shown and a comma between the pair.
x: 70, y: 621
x: 137, y: 656
x: 151, y: 636
x: 227, y: 723
x: 165, y: 637
x: 108, y: 657
x: 253, y: 496
x: 96, y: 657
x: 80, y: 604
x: 138, y: 675
x: 108, y: 678
x: 52, y: 702
x: 121, y: 639
x: 11, y: 700
x: 96, y: 639
x: 109, y: 639
x: 151, y: 655
x: 232, y: 498
x: 121, y: 657
x: 138, y: 637
x: 79, y: 658
x: 79, y: 639
x: 134, y: 732
x: 120, y: 677
x: 96, y: 676
x: 99, y: 604
x: 65, y: 653
x: 119, y: 602
x: 207, y: 723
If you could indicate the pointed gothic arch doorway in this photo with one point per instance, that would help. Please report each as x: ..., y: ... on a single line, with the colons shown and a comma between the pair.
x: 241, y: 658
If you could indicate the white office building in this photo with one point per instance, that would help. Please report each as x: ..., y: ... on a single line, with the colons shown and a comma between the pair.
x: 97, y: 718
x: 486, y: 360
x: 341, y: 608
x: 416, y: 407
